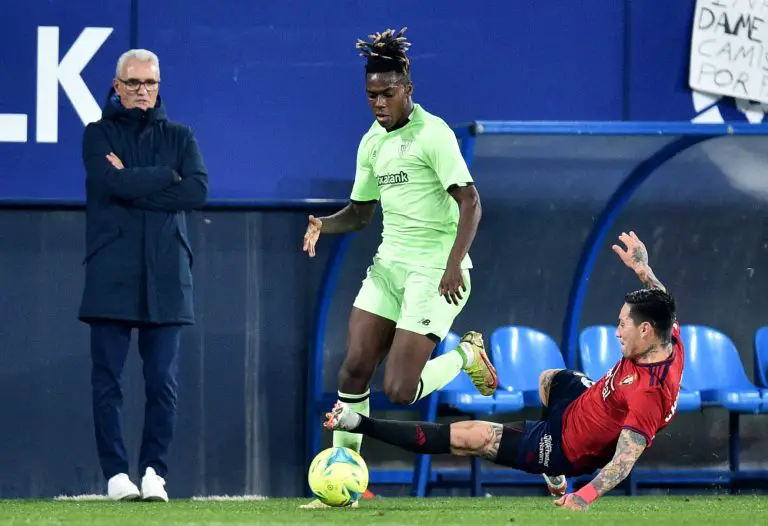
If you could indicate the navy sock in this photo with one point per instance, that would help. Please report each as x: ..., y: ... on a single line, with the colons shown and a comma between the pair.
x: 419, y: 437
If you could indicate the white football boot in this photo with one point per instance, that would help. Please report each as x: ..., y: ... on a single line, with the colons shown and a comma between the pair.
x: 153, y: 487
x: 341, y: 418
x: 120, y: 487
x: 556, y: 485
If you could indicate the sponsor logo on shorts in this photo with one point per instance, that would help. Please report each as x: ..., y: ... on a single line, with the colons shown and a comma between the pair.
x: 425, y: 322
x: 545, y: 450
x: 395, y: 178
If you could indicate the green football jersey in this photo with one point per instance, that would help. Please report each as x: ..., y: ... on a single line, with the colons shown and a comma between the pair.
x: 409, y: 171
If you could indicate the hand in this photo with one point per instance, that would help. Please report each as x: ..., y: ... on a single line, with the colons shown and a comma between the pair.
x: 312, y: 234
x: 636, y: 255
x: 572, y: 501
x: 115, y: 160
x: 452, y: 284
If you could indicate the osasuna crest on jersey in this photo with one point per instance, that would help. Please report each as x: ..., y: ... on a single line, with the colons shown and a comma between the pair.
x: 628, y: 380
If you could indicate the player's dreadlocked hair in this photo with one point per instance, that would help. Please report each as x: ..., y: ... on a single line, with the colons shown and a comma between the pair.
x: 386, y: 52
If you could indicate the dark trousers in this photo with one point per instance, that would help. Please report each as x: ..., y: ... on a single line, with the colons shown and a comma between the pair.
x: 159, y: 349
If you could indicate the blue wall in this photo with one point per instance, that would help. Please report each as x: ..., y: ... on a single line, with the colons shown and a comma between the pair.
x: 275, y: 89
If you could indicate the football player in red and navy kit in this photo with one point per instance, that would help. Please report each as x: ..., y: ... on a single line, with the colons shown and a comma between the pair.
x: 585, y: 425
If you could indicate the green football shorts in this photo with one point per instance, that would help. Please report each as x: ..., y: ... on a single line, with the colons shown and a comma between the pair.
x: 410, y: 297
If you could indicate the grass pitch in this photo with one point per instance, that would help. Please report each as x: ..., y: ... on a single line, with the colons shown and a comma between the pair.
x: 623, y: 511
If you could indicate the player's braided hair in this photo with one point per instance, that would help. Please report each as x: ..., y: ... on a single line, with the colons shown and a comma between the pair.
x: 386, y: 51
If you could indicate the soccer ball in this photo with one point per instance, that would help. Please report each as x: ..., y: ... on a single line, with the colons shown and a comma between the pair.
x: 338, y: 476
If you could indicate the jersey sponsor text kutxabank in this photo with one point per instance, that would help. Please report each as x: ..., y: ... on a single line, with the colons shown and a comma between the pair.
x: 409, y: 171
x: 637, y: 396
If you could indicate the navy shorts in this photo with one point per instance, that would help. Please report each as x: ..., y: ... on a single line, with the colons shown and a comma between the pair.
x: 539, y: 449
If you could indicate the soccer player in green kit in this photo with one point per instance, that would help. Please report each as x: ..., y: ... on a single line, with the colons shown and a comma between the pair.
x: 419, y: 280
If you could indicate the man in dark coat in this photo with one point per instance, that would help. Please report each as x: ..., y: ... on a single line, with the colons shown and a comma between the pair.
x: 143, y: 172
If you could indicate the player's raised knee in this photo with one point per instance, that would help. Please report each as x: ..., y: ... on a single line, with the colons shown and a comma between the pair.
x: 400, y: 393
x: 545, y: 383
x: 354, y: 374
x: 545, y: 378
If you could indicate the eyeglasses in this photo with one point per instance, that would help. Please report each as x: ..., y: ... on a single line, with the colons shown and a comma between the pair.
x: 136, y: 84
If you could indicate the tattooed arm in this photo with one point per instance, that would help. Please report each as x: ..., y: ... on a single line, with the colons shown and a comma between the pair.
x: 628, y: 449
x: 649, y: 279
x: 636, y: 257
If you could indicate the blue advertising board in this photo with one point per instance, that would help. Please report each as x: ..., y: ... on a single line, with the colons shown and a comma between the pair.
x: 275, y: 94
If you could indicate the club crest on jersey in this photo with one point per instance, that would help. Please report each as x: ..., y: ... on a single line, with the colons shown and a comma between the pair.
x: 404, y: 147
x: 628, y: 380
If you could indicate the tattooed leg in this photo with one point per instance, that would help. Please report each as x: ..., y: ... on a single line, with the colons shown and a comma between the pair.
x: 556, y: 484
x: 545, y: 387
x: 468, y: 438
x: 545, y: 384
x: 476, y: 439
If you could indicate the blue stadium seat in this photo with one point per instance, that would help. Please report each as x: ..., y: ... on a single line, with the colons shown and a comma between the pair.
x: 713, y: 367
x: 761, y: 365
x: 520, y: 354
x: 599, y: 350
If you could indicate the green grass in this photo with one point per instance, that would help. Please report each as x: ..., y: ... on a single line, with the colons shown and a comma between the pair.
x: 622, y: 511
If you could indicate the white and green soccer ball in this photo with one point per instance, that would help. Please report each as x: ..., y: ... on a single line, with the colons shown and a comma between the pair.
x: 338, y: 476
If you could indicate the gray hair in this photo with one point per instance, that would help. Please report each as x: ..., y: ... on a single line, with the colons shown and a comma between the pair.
x: 142, y: 55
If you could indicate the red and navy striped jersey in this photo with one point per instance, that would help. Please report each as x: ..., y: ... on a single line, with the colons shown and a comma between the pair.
x: 637, y: 396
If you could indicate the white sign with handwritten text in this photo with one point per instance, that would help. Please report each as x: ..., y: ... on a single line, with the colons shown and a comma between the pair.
x: 729, y: 49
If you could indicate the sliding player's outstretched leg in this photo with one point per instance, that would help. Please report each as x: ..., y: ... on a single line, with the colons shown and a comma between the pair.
x: 495, y: 442
x: 530, y: 446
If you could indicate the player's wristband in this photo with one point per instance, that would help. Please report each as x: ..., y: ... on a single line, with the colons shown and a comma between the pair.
x: 588, y: 493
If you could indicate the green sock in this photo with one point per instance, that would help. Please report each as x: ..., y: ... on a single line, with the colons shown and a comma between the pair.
x: 358, y: 403
x: 440, y: 371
